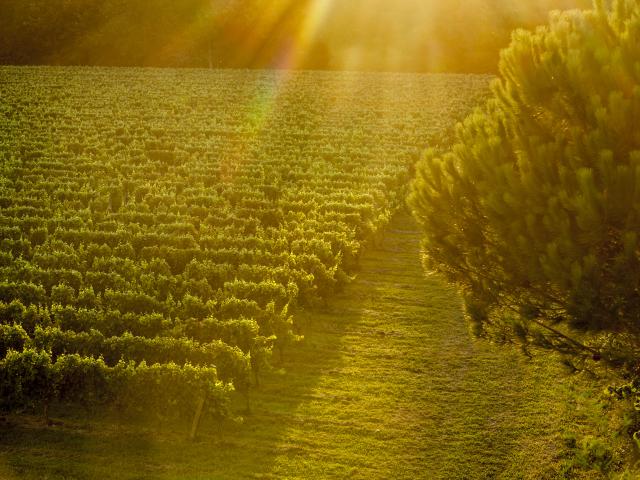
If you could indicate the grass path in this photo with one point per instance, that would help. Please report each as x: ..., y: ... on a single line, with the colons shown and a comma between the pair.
x: 410, y: 394
x: 388, y: 384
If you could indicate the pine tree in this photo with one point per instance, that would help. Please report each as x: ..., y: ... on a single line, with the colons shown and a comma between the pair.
x: 535, y: 211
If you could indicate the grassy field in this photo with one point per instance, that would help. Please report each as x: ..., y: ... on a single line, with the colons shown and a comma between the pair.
x: 387, y: 384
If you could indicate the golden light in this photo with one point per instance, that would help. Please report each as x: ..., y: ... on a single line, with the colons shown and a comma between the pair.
x: 398, y: 35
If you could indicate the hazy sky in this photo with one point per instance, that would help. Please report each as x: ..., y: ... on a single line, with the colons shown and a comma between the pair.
x: 361, y: 31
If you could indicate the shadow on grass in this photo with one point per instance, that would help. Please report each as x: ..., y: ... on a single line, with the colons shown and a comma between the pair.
x: 81, y: 447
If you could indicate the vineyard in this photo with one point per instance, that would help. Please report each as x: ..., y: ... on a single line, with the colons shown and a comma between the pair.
x: 161, y: 229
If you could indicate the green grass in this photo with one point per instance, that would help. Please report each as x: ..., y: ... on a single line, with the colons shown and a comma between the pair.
x: 388, y: 384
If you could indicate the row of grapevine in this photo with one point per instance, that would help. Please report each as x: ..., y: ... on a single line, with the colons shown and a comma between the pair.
x: 164, y: 227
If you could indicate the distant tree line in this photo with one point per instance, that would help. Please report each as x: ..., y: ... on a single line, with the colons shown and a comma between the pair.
x: 196, y: 33
x: 435, y: 36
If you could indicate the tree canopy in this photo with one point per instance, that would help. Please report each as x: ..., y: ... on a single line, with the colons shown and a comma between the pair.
x: 535, y: 211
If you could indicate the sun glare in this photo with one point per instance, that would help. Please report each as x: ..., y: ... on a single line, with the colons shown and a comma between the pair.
x: 403, y: 35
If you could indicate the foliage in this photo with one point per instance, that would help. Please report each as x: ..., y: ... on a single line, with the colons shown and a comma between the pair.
x: 31, y: 377
x: 533, y: 212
